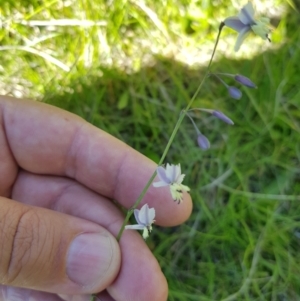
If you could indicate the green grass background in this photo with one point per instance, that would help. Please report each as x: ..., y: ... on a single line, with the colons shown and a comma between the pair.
x: 131, y: 74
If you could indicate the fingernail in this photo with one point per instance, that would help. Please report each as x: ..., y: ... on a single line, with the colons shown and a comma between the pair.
x: 89, y: 258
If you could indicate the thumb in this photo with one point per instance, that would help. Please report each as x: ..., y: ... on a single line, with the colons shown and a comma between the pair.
x: 49, y: 251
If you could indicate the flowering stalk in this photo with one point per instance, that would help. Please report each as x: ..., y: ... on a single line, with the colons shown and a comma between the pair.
x: 175, y: 130
x: 243, y: 23
x: 171, y: 176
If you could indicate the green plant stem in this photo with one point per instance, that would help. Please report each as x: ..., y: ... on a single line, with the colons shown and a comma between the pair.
x: 175, y: 130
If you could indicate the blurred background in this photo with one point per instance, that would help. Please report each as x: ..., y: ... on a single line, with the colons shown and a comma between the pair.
x: 129, y: 67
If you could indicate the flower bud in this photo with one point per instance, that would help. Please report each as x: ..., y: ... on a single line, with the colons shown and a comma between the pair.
x: 234, y: 92
x: 203, y: 142
x: 245, y: 81
x: 222, y: 116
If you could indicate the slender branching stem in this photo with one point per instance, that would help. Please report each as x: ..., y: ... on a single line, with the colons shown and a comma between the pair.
x: 175, y: 130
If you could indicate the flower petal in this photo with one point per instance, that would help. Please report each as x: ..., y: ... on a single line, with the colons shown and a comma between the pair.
x: 162, y: 174
x: 170, y: 172
x: 160, y: 184
x: 261, y: 28
x: 241, y: 37
x: 246, y: 15
x: 177, y: 172
x: 146, y: 215
x: 222, y: 117
x: 234, y: 92
x: 136, y: 215
x: 203, y: 142
x: 134, y: 227
x: 235, y: 23
x: 180, y: 179
x: 245, y: 81
x: 151, y: 216
x: 143, y: 215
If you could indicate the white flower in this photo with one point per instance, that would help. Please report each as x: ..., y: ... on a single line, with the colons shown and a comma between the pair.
x: 171, y: 176
x: 145, y: 219
x: 245, y: 22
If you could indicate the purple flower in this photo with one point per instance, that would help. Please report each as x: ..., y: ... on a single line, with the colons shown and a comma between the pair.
x: 171, y: 176
x: 245, y: 22
x: 234, y: 92
x: 244, y: 81
x: 203, y: 142
x: 222, y: 116
x: 145, y: 219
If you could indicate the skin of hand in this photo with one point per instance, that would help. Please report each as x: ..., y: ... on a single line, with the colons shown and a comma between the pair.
x: 58, y: 223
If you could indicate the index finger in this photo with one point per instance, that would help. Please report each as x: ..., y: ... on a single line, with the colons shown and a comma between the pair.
x: 43, y: 139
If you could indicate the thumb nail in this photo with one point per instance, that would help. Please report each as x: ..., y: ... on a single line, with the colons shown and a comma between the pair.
x: 89, y: 258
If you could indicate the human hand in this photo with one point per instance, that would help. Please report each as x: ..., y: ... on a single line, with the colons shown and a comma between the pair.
x: 58, y: 177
